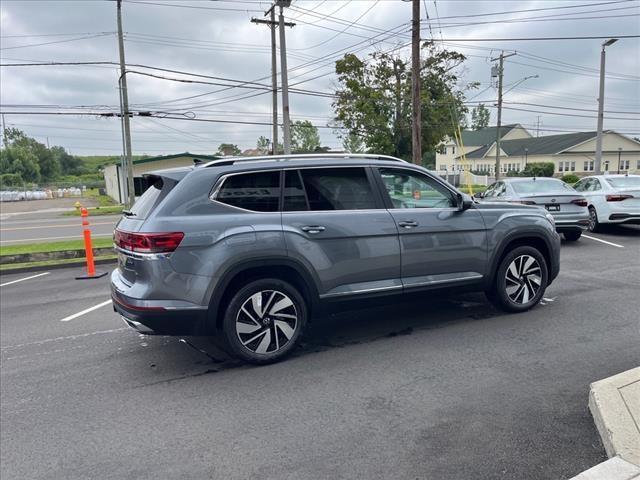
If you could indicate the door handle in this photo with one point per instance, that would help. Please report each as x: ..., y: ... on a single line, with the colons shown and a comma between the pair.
x: 408, y: 224
x: 312, y: 228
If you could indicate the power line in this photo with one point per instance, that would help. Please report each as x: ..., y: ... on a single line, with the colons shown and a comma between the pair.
x: 58, y: 41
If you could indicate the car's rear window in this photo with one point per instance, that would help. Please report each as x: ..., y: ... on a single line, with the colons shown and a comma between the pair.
x: 144, y: 205
x: 624, y: 182
x: 539, y: 185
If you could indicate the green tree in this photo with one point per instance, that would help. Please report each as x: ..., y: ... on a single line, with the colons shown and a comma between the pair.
x: 23, y: 162
x: 263, y: 145
x: 304, y: 137
x: 69, y: 165
x: 374, y: 99
x: 480, y: 117
x: 48, y: 166
x: 228, y: 149
x: 353, y: 143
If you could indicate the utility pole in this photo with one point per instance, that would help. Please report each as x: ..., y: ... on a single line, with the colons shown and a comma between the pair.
x: 286, y: 125
x: 274, y: 70
x: 416, y: 117
x: 499, y: 123
x: 598, y: 162
x: 274, y: 84
x: 4, y: 131
x: 122, y: 84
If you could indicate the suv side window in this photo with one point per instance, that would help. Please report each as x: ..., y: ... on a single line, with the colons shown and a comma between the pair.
x: 500, y: 190
x: 295, y: 199
x: 489, y: 191
x: 258, y: 191
x: 337, y: 189
x: 409, y: 189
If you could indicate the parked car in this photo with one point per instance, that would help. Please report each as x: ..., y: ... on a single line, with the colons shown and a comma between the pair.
x: 611, y: 199
x: 568, y: 207
x: 249, y: 248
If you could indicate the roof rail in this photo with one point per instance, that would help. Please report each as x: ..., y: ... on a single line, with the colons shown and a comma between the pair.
x: 303, y: 156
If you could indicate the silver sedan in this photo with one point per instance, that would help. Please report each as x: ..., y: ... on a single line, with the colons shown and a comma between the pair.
x: 568, y: 207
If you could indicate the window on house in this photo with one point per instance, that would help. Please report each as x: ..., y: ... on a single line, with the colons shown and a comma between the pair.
x: 573, y: 166
x: 561, y: 166
x: 624, y: 164
x: 453, y: 150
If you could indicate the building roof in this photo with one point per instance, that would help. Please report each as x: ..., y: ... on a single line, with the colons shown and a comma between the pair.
x: 486, y: 135
x: 176, y: 155
x: 546, y: 145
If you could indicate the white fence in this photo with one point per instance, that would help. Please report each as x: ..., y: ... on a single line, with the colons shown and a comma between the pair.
x: 461, y: 177
x: 20, y: 195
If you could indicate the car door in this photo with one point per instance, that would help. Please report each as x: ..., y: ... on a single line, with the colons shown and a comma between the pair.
x: 439, y: 243
x: 335, y: 223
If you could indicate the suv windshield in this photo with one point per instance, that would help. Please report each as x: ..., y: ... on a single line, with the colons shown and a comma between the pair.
x: 539, y: 185
x: 622, y: 182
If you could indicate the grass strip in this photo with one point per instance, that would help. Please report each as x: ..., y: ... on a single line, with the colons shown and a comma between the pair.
x: 49, y: 263
x: 98, y: 242
x: 97, y: 211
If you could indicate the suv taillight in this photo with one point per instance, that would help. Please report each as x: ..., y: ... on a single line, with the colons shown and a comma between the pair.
x: 581, y: 202
x: 147, y: 242
x: 617, y: 198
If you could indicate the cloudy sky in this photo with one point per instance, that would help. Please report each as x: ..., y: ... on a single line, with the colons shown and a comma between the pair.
x: 217, y: 39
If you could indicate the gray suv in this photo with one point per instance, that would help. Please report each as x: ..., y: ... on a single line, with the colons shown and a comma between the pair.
x: 249, y: 248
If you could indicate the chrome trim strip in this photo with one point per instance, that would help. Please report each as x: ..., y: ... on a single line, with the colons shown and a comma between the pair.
x: 142, y: 256
x: 355, y: 292
x: 448, y: 280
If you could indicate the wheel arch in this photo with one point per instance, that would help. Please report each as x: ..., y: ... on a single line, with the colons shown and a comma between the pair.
x: 284, y: 269
x: 533, y: 239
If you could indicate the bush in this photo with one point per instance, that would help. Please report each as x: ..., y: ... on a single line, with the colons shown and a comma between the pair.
x: 541, y: 169
x: 10, y: 180
x: 570, y: 178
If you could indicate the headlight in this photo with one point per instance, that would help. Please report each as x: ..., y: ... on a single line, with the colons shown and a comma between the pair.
x: 550, y: 218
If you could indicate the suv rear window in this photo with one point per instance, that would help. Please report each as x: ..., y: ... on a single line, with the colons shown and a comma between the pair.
x: 144, y: 205
x: 259, y: 191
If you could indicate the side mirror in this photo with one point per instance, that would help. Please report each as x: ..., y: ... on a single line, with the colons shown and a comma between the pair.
x: 464, y: 202
x: 479, y: 195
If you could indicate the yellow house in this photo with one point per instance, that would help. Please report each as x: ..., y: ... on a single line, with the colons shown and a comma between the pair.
x: 570, y: 153
x: 115, y: 179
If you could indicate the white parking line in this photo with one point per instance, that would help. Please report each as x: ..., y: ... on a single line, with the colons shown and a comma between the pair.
x: 602, y: 241
x: 23, y: 279
x: 90, y: 309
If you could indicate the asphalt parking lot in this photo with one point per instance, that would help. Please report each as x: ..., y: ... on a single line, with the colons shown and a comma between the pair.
x: 428, y: 388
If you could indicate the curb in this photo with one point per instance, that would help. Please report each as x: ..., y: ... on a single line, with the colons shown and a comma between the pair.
x: 39, y: 268
x: 615, y: 405
x: 613, y: 469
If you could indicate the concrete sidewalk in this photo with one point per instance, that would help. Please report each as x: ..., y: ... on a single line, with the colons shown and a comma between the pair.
x: 615, y: 405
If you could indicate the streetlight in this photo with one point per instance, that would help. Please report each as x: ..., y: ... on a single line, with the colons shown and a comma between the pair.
x: 598, y: 164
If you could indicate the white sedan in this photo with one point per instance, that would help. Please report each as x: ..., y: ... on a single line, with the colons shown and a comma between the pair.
x: 611, y: 199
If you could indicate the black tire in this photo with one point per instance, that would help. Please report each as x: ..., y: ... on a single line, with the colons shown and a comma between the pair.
x: 259, y: 333
x: 572, y: 236
x: 594, y: 224
x: 519, y: 293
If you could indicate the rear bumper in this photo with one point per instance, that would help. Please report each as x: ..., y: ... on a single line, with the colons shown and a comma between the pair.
x: 159, y: 317
x: 579, y: 225
x: 631, y: 218
x: 554, y: 254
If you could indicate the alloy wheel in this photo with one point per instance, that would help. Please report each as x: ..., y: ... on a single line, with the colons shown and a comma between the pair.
x: 593, y: 219
x: 266, y: 321
x: 523, y: 279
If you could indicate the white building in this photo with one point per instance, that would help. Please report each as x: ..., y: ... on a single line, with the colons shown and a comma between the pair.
x: 570, y: 153
x: 115, y: 179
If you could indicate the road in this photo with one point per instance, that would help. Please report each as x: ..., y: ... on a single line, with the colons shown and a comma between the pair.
x: 429, y: 388
x: 51, y: 227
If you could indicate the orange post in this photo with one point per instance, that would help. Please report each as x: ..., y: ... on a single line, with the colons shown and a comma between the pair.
x: 86, y: 233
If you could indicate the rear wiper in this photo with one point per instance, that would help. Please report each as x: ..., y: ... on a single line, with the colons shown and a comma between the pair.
x: 128, y: 213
